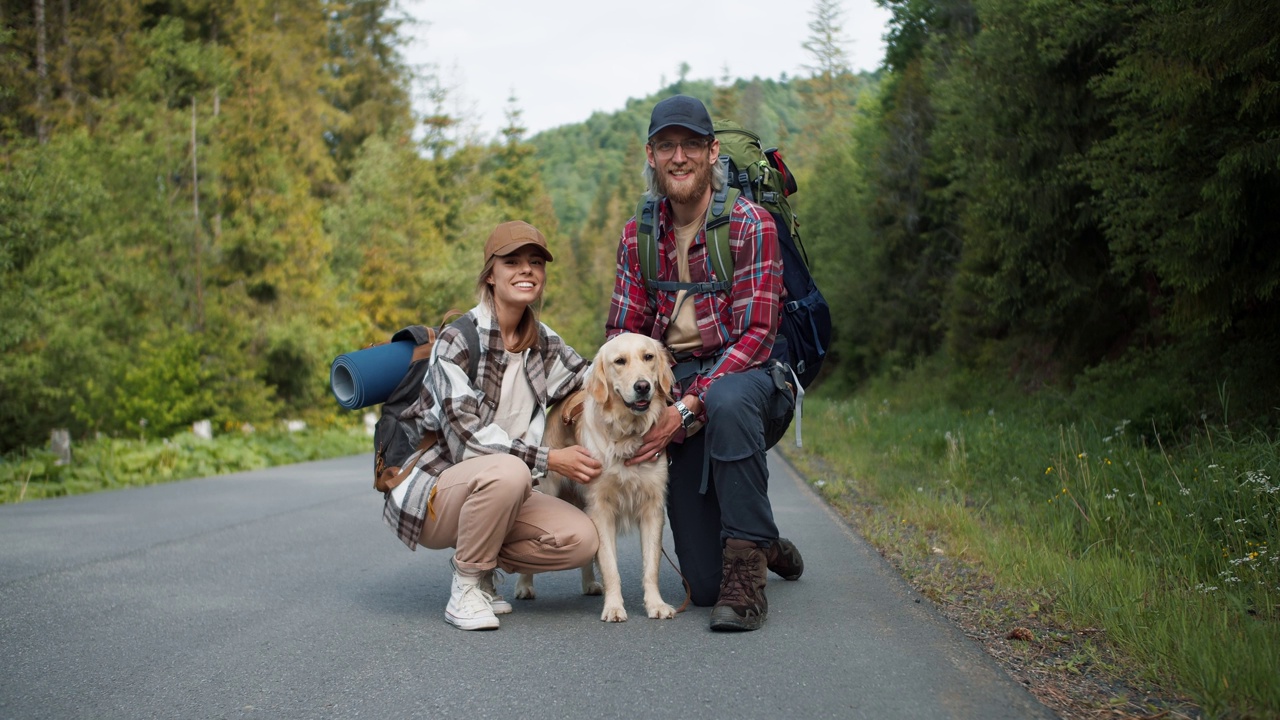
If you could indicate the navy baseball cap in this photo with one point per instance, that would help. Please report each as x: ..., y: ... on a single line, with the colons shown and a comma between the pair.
x: 682, y: 110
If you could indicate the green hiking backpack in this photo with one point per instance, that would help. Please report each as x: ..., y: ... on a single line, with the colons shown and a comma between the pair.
x: 759, y: 175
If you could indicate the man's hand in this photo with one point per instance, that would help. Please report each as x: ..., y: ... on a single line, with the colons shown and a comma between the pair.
x: 575, y: 463
x: 659, y: 436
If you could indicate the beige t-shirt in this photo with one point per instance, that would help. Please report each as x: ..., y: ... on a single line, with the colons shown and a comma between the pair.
x: 517, y: 403
x: 682, y: 334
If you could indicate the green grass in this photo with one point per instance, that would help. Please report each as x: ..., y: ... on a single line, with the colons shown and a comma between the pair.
x: 1172, y: 548
x: 115, y: 463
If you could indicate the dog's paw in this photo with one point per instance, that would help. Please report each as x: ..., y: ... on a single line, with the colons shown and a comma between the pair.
x: 614, y: 614
x: 593, y: 588
x: 661, y: 611
x: 524, y: 590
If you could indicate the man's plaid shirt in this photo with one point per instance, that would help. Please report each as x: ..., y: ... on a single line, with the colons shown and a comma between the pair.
x: 738, y: 328
x: 463, y: 412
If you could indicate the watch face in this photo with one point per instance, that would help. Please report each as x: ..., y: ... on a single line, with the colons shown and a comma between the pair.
x: 686, y: 415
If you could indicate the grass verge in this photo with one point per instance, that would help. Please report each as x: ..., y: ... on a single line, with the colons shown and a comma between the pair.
x: 115, y: 463
x: 1072, y: 547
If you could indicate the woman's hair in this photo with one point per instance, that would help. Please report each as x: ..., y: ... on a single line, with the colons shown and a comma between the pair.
x: 651, y: 180
x: 529, y: 328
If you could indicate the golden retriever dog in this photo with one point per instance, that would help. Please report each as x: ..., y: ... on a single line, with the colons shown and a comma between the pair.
x: 627, y: 390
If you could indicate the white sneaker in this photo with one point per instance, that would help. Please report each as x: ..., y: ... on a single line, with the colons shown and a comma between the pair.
x: 488, y: 582
x: 468, y: 607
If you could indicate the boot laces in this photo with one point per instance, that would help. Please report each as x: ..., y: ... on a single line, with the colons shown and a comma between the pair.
x: 737, y: 586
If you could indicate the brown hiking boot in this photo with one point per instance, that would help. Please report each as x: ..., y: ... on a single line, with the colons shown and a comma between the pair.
x: 784, y: 559
x: 742, y: 604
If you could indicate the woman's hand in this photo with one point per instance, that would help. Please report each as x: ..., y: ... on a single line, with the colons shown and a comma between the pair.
x: 575, y: 463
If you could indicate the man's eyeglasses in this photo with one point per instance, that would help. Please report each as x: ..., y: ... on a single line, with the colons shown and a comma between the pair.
x: 692, y: 146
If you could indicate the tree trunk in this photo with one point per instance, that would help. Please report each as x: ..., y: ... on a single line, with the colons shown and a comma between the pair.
x: 195, y: 213
x: 42, y: 76
x: 217, y: 106
x: 68, y: 90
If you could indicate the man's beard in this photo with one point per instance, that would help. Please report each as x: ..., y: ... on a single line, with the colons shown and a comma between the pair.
x: 690, y: 190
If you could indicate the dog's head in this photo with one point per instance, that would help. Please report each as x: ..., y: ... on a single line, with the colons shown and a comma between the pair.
x: 633, y: 370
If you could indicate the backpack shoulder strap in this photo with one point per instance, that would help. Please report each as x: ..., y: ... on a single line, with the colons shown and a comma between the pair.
x: 471, y: 334
x: 646, y: 245
x: 718, y: 215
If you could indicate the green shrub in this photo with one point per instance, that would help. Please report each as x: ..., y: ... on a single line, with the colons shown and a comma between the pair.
x: 113, y: 462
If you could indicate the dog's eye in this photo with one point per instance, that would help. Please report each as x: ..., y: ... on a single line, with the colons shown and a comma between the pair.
x: 620, y: 361
x: 648, y: 356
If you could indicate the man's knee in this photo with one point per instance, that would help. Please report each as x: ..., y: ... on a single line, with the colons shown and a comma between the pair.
x: 726, y: 398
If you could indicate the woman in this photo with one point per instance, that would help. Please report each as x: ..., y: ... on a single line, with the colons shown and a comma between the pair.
x: 473, y: 490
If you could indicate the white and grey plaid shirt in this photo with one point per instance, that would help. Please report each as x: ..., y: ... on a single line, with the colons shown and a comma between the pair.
x: 463, y: 412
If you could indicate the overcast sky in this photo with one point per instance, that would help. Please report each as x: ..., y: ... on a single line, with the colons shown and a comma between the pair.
x: 564, y: 59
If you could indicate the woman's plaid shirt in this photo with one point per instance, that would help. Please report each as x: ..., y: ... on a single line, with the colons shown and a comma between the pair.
x: 464, y: 413
x: 738, y: 328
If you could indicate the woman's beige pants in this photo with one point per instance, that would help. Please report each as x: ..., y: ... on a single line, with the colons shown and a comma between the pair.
x: 487, y: 510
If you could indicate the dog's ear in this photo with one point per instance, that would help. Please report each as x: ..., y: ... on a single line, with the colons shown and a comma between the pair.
x: 597, y: 384
x: 666, y: 378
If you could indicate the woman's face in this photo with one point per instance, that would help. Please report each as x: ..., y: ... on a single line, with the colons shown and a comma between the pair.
x: 518, y: 279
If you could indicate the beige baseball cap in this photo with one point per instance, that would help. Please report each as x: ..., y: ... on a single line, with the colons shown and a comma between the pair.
x: 511, y: 236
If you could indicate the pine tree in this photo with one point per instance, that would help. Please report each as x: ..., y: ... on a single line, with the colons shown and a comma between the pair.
x: 830, y: 67
x: 369, y: 77
x: 1186, y: 185
x: 725, y: 103
x: 516, y: 181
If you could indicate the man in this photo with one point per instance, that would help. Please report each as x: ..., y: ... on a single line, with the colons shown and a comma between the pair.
x: 731, y: 408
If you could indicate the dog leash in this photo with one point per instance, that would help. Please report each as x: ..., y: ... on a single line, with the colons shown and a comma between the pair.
x: 688, y: 592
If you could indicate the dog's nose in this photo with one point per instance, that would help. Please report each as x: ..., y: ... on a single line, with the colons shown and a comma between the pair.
x: 642, y: 388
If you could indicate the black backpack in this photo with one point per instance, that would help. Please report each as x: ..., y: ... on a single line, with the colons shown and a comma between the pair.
x: 396, y: 440
x: 804, y: 331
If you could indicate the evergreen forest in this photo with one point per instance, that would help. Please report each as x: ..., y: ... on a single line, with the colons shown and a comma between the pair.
x: 203, y: 202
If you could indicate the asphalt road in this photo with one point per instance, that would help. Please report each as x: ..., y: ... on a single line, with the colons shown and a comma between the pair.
x: 280, y: 594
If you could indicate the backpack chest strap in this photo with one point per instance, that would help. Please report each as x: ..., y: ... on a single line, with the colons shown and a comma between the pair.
x: 692, y: 287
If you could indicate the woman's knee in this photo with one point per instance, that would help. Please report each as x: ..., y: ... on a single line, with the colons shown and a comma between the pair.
x: 577, y: 535
x: 505, y: 474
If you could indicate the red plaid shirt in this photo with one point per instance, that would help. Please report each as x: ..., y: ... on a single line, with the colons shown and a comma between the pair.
x: 738, y: 328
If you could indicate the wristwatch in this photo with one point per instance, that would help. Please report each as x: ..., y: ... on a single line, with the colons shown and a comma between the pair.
x: 687, y: 417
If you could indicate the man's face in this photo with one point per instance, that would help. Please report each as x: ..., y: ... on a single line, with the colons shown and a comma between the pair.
x: 682, y: 160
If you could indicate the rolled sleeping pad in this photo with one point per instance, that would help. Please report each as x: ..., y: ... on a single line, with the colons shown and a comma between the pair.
x: 367, y: 377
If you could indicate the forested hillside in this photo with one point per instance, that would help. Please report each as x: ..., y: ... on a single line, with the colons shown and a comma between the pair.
x: 203, y: 202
